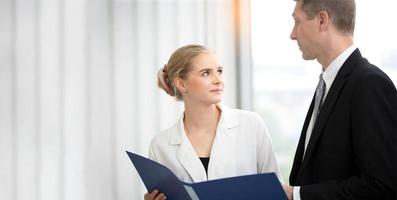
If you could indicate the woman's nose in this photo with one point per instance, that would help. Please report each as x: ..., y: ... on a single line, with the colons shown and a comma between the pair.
x: 217, y: 78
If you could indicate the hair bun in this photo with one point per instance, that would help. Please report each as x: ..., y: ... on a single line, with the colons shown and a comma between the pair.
x: 163, y: 81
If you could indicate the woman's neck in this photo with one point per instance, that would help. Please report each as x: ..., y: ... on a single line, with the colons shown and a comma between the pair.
x: 201, y: 117
x: 200, y: 123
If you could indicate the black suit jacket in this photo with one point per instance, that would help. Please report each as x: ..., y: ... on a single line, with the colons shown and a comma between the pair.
x: 352, y: 151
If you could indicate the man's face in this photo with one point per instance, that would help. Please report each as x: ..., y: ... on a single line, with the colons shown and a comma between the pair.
x: 305, y: 32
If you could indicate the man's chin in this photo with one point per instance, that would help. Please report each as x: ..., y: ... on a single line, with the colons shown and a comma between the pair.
x: 307, y: 57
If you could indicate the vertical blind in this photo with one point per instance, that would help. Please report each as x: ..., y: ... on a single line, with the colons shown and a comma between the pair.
x: 78, y: 88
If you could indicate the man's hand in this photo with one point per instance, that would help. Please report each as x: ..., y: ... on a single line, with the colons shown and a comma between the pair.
x: 288, y: 191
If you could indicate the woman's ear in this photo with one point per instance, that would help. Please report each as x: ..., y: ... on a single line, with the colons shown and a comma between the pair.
x: 180, y: 85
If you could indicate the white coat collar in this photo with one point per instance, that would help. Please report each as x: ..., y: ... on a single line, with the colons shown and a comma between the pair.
x: 188, y: 157
x: 227, y: 120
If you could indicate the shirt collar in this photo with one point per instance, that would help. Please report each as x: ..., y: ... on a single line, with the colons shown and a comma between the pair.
x: 332, y: 69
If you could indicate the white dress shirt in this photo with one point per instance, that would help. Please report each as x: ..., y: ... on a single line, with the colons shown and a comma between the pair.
x: 242, y: 146
x: 329, y: 76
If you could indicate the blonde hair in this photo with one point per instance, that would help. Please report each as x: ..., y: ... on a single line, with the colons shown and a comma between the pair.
x: 178, y: 65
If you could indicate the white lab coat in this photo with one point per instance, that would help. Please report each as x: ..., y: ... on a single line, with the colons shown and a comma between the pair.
x: 242, y: 146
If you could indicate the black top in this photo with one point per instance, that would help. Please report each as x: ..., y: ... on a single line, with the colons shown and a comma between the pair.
x: 205, y: 161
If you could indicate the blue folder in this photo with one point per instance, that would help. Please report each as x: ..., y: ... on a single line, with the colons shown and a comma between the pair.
x: 156, y: 176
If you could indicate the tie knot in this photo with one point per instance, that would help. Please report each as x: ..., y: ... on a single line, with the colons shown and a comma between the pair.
x: 321, y: 77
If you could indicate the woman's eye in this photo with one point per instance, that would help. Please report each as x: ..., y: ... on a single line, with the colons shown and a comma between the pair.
x: 220, y: 71
x: 205, y: 73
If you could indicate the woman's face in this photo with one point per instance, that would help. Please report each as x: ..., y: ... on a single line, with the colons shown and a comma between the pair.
x: 204, y: 81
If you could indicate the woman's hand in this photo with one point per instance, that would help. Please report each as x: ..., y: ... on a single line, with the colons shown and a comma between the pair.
x: 289, y: 191
x: 155, y: 195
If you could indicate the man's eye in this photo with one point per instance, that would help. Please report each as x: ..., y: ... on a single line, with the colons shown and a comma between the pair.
x: 220, y: 71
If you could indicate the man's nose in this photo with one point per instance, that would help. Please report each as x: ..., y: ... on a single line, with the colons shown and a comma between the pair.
x: 293, y: 34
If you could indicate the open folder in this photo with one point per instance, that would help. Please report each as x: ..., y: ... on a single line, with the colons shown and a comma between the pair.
x: 157, y: 176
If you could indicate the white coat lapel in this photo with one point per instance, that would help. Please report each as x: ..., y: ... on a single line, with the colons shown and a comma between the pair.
x: 188, y: 157
x: 222, y: 159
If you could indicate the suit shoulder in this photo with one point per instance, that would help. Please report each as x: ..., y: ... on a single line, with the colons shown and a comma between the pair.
x: 368, y: 74
x: 367, y: 70
x: 368, y: 81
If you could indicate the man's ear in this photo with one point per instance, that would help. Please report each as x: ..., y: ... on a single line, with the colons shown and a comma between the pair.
x: 325, y: 20
x: 180, y: 84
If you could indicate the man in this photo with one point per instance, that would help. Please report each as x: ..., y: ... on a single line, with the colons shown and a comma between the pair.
x: 347, y: 148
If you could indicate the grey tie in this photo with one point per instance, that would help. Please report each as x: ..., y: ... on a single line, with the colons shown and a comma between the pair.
x: 318, y: 101
x: 320, y: 91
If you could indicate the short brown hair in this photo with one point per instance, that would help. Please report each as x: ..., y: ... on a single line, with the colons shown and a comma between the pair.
x: 342, y: 12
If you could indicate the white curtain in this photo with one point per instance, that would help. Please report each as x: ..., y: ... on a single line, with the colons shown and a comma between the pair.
x: 78, y: 88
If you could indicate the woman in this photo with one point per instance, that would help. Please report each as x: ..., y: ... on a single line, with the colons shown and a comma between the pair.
x: 210, y: 141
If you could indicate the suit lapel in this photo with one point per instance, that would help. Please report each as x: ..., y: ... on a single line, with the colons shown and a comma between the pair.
x: 301, y: 146
x: 322, y: 118
x: 327, y: 107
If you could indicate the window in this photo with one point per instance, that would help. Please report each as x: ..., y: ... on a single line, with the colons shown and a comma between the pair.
x: 284, y: 83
